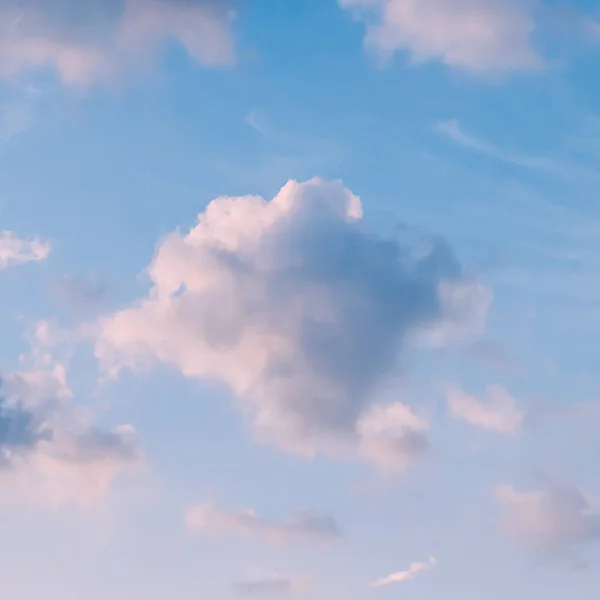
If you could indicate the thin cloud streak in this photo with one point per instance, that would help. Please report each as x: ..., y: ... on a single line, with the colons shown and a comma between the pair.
x: 452, y: 130
x: 302, y: 525
x: 410, y: 573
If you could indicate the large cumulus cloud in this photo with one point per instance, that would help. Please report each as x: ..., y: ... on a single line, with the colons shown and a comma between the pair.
x: 88, y: 39
x: 303, y: 312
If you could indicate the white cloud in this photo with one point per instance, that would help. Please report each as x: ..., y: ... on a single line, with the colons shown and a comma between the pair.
x: 552, y: 519
x: 498, y: 413
x: 51, y: 453
x: 303, y: 525
x: 410, y: 573
x: 15, y: 250
x: 474, y: 35
x: 88, y: 39
x: 300, y: 310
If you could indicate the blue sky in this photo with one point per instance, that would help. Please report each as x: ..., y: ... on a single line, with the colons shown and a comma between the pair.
x: 300, y: 299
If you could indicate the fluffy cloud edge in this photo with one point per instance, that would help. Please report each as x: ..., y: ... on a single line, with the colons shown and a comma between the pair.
x: 498, y: 413
x: 554, y: 518
x: 477, y: 36
x: 34, y: 38
x: 52, y: 452
x: 16, y: 250
x: 303, y: 313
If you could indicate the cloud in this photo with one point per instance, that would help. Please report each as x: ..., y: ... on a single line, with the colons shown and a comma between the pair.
x: 392, y: 436
x: 566, y: 169
x: 18, y: 432
x: 474, y: 35
x: 50, y: 452
x: 15, y: 250
x: 256, y: 121
x: 301, y: 311
x: 453, y: 131
x: 410, y: 573
x: 498, y: 413
x: 83, y: 40
x: 303, y: 524
x: 553, y: 519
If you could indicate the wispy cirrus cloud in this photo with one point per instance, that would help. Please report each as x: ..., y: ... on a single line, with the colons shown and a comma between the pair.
x: 563, y: 168
x: 453, y: 131
x: 410, y: 573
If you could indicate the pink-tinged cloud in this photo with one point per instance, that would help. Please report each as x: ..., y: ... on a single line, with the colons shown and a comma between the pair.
x: 303, y: 312
x: 51, y: 453
x: 15, y: 250
x: 554, y: 518
x: 392, y: 437
x: 87, y: 40
x: 305, y: 525
x: 479, y: 36
x: 497, y: 412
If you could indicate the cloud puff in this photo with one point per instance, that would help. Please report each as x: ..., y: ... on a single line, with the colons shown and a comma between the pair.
x: 392, y: 436
x: 410, y: 573
x: 50, y: 453
x: 303, y: 524
x: 474, y: 35
x: 15, y: 250
x: 302, y: 311
x: 498, y: 413
x: 551, y: 519
x: 88, y: 39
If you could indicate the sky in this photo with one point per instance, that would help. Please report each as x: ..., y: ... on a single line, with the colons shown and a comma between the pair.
x: 299, y: 299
